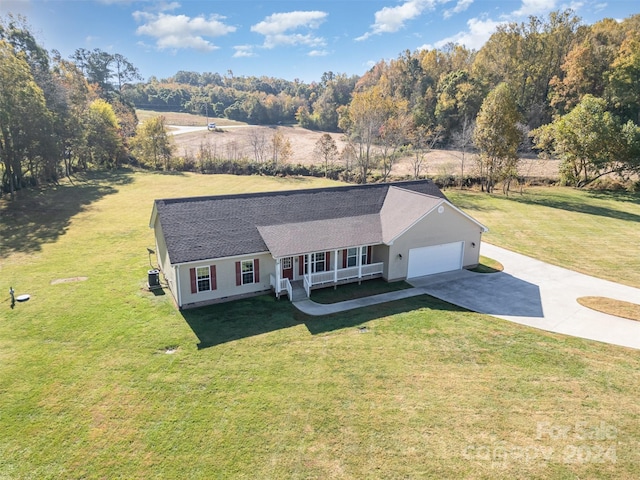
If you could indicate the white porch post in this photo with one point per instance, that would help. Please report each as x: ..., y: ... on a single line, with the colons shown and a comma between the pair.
x: 278, y: 273
x: 335, y: 266
x: 359, y: 263
x: 309, y: 267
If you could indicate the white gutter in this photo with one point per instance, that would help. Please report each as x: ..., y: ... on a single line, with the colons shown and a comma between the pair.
x: 176, y: 269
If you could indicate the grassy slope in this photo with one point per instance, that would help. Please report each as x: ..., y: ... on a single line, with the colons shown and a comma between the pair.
x: 591, y: 232
x: 255, y: 389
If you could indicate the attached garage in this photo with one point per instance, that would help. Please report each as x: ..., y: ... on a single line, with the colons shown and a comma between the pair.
x: 435, y: 259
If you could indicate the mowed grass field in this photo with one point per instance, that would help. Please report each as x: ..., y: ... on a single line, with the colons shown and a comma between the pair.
x: 101, y: 379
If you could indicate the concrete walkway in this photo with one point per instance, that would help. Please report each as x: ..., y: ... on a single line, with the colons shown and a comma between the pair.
x: 528, y: 292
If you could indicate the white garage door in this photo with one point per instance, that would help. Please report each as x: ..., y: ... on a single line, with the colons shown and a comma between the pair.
x: 436, y: 259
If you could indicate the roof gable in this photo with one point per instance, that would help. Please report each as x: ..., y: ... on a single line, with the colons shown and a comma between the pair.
x: 401, y: 209
x: 201, y: 228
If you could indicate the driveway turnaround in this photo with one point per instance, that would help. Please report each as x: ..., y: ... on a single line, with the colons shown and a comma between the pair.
x: 540, y: 295
x: 528, y: 292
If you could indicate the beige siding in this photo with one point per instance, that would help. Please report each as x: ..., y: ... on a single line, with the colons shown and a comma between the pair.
x: 435, y: 229
x: 163, y: 259
x: 225, y: 279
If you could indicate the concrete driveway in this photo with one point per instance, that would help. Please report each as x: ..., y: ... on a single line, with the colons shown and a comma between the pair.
x: 537, y: 294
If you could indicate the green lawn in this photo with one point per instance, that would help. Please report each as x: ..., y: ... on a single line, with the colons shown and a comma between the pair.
x: 597, y: 233
x: 101, y: 379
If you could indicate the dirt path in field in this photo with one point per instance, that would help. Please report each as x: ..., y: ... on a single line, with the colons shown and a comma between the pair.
x: 236, y: 142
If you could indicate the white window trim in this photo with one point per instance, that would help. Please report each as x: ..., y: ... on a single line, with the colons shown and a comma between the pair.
x: 353, y: 256
x: 243, y: 273
x: 315, y: 261
x: 365, y: 255
x: 203, y: 278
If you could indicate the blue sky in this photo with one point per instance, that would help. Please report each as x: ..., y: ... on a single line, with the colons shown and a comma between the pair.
x: 285, y: 39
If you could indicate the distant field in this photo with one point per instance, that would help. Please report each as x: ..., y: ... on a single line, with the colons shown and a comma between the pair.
x: 438, y: 162
x: 184, y: 119
x: 102, y: 379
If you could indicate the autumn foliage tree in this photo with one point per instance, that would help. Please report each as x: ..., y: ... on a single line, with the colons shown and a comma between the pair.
x: 152, y: 144
x: 326, y: 151
x: 497, y: 136
x: 590, y: 142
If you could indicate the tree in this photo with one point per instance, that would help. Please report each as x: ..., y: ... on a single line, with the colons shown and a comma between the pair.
x: 497, y: 136
x: 124, y: 71
x: 392, y: 137
x: 104, y: 143
x: 24, y: 119
x: 590, y: 142
x: 584, y: 67
x: 326, y: 151
x: 527, y: 56
x: 280, y: 148
x: 362, y: 121
x: 422, y: 141
x: 623, y: 90
x: 152, y: 145
x: 463, y: 141
x: 348, y: 157
x: 102, y: 68
x: 258, y: 142
x: 74, y: 96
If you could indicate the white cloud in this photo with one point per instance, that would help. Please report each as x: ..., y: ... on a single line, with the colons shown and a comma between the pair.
x: 392, y: 19
x: 181, y: 31
x: 318, y: 53
x: 276, y: 28
x: 534, y: 7
x: 460, y: 7
x: 281, y: 22
x: 243, y: 51
x: 477, y: 35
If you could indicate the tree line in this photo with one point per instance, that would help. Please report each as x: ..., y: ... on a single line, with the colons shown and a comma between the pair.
x: 59, y: 115
x: 550, y: 73
x: 549, y: 85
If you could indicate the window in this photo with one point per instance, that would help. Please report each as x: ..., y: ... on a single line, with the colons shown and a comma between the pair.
x: 317, y: 262
x: 352, y: 257
x: 203, y: 279
x: 365, y: 256
x: 247, y: 272
x: 287, y: 263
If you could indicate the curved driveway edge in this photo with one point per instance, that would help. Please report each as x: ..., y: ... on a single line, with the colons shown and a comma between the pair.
x: 540, y: 295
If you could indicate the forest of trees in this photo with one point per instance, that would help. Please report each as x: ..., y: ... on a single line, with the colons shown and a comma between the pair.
x: 551, y: 85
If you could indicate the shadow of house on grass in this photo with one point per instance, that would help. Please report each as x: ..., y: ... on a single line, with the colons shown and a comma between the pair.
x: 41, y: 215
x: 226, y: 322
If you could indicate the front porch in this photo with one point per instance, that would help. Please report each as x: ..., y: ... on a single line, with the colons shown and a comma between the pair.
x: 321, y: 269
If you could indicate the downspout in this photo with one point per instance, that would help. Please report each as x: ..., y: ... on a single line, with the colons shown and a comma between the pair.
x: 277, y: 285
x: 177, y: 273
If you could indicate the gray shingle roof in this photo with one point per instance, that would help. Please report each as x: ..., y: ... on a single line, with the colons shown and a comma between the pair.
x: 202, y: 228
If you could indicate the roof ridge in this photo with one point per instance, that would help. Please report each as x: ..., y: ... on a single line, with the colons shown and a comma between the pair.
x: 272, y: 193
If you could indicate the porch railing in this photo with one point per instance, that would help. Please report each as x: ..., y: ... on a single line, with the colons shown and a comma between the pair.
x: 285, y: 285
x: 307, y: 286
x: 288, y: 287
x: 350, y: 273
x: 372, y: 269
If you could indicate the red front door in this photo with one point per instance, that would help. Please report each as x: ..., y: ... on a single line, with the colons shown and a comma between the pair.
x: 287, y: 268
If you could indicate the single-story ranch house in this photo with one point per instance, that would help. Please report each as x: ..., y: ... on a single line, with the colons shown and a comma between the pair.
x: 224, y: 247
